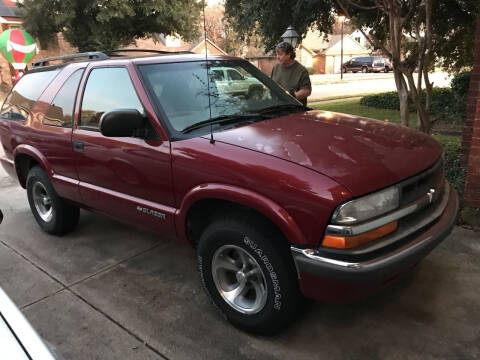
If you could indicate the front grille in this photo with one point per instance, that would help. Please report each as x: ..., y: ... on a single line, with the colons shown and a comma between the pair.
x: 419, y: 185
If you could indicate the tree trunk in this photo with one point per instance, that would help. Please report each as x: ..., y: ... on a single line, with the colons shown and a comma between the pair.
x: 402, y: 92
x: 424, y: 116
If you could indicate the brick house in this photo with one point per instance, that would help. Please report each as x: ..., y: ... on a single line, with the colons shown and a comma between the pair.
x: 471, y: 134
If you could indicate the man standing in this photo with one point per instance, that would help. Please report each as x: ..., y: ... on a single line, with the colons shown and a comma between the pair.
x: 290, y: 74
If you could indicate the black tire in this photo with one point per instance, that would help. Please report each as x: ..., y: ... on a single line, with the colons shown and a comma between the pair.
x: 386, y: 69
x: 364, y: 70
x: 271, y: 254
x: 63, y: 217
x: 345, y: 70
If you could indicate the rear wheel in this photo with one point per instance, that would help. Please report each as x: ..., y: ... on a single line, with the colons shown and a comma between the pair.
x: 248, y: 275
x: 344, y: 70
x: 386, y: 69
x: 364, y: 69
x: 52, y: 213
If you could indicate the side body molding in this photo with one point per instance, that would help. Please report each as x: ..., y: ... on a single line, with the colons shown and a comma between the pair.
x: 277, y: 214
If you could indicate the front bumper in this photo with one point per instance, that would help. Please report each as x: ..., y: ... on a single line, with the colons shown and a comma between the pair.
x: 311, y: 263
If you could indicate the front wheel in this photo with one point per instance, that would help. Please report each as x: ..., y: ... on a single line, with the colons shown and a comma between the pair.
x: 364, y: 70
x: 248, y: 275
x: 53, y: 214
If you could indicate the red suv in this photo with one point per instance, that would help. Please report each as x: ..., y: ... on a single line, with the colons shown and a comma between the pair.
x: 278, y: 200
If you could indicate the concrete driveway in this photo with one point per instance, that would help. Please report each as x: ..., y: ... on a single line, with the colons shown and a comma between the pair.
x: 110, y: 291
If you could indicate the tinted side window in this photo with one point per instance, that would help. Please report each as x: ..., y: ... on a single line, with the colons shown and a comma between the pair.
x: 60, y: 112
x: 24, y: 95
x: 107, y: 89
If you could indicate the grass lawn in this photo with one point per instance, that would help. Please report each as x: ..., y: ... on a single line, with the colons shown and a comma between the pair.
x: 353, y: 107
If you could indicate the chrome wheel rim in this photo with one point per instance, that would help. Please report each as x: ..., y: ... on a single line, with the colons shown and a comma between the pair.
x: 239, y: 279
x: 42, y: 201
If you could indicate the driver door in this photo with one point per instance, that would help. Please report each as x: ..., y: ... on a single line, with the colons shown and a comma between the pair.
x: 125, y: 177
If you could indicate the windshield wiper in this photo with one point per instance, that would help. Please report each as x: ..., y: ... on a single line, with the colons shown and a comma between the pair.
x: 224, y: 120
x: 283, y: 107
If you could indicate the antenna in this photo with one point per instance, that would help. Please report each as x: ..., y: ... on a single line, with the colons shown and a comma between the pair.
x: 212, y: 141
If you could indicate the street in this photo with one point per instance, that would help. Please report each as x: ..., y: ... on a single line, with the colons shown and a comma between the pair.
x: 329, y: 86
x: 111, y: 291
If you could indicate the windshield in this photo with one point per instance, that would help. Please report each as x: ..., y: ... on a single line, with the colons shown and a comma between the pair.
x: 236, y: 88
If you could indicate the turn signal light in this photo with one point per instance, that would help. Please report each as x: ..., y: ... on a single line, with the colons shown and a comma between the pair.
x: 349, y: 242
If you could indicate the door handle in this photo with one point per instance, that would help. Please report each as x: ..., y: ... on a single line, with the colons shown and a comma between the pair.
x: 78, y: 146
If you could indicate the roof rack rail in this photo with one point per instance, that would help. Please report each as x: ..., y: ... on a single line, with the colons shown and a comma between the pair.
x: 93, y: 55
x: 163, y: 52
x: 100, y: 55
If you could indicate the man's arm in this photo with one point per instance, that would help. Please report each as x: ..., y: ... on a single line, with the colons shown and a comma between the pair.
x: 302, y: 94
x: 305, y: 86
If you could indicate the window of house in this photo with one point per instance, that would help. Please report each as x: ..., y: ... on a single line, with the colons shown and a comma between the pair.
x: 357, y: 39
x: 107, y: 89
x: 60, y: 112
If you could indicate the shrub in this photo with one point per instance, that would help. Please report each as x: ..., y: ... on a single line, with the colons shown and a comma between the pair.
x: 460, y: 85
x: 443, y: 101
x: 310, y: 70
x: 386, y: 100
x: 454, y: 172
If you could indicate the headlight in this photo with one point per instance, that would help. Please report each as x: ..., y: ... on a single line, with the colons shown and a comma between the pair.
x: 367, y: 207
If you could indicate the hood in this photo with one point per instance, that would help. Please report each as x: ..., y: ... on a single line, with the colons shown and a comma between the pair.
x: 361, y: 154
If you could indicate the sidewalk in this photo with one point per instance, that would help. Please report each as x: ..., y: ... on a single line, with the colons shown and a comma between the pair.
x: 319, y: 79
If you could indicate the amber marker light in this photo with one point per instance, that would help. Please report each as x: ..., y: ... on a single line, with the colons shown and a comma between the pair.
x: 349, y: 242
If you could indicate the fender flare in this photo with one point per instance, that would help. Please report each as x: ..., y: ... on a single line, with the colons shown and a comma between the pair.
x: 34, y: 153
x: 265, y: 206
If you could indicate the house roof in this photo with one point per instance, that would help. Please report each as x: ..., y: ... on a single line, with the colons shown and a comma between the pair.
x: 8, y: 8
x: 161, y: 44
x: 318, y: 44
x: 194, y: 47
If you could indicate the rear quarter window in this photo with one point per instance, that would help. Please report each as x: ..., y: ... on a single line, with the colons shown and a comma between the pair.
x: 19, y: 103
x: 60, y: 112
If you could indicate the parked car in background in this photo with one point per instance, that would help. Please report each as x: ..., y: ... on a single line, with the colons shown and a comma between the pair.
x: 367, y: 64
x: 232, y: 82
x: 279, y: 201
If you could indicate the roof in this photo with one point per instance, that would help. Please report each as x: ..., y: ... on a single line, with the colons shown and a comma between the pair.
x: 123, y: 56
x: 8, y: 8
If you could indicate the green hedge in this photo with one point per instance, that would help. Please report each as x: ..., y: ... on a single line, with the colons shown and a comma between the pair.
x: 460, y: 85
x: 446, y: 102
x: 443, y: 101
x: 454, y: 172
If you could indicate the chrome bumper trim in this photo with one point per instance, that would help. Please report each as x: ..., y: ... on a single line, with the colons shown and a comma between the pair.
x: 310, y: 253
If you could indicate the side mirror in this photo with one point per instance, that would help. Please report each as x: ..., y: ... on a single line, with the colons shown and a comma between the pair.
x: 122, y: 123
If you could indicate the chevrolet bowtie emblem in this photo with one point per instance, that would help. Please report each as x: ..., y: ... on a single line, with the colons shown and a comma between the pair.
x: 430, y: 194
